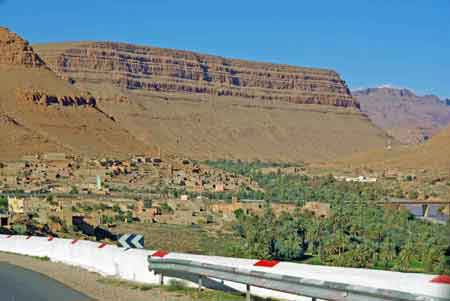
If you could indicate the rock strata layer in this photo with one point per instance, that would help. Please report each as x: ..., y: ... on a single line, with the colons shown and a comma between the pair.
x: 165, y: 70
x: 16, y: 51
x: 44, y: 98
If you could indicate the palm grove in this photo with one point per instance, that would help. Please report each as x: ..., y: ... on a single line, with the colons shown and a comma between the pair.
x: 359, y: 233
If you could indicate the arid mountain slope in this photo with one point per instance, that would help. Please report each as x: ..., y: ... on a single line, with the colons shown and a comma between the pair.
x: 433, y: 155
x: 404, y: 115
x: 39, y: 112
x: 203, y: 106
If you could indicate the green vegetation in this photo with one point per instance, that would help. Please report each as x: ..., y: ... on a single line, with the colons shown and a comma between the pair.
x: 45, y: 258
x: 19, y: 229
x: 166, y: 209
x: 126, y: 284
x: 74, y: 190
x: 358, y: 234
x: 245, y: 168
x: 186, y: 239
x: 3, y: 203
x: 51, y: 200
x: 180, y: 287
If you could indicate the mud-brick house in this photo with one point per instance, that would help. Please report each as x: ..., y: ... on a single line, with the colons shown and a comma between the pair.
x: 145, y: 212
x: 54, y: 157
x: 318, y: 209
x: 219, y: 187
x: 250, y: 207
x: 20, y: 205
x: 4, y: 219
x: 20, y: 208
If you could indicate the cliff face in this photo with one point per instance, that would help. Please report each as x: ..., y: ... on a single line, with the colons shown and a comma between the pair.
x: 16, y: 51
x: 39, y: 112
x: 208, y: 107
x: 164, y: 70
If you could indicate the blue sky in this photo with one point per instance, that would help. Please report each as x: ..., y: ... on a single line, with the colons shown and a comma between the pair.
x: 403, y: 43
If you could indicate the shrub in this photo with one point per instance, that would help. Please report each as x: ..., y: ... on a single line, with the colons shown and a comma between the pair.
x: 19, y: 229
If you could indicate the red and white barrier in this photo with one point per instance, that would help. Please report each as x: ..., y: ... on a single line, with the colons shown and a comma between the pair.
x: 131, y: 264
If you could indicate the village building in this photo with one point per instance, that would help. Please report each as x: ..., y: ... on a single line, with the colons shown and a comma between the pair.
x: 319, y: 209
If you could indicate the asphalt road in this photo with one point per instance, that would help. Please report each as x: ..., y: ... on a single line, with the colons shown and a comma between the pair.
x: 19, y: 284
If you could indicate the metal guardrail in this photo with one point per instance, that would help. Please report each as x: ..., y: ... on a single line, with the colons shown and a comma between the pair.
x: 315, y: 289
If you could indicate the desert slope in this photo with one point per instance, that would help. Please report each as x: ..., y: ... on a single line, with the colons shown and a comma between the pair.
x: 431, y: 155
x: 403, y: 114
x: 39, y: 112
x: 208, y: 107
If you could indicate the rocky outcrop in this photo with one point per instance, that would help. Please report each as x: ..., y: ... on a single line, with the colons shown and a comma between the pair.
x: 165, y: 70
x: 7, y: 120
x: 16, y: 51
x: 40, y: 112
x: 43, y: 98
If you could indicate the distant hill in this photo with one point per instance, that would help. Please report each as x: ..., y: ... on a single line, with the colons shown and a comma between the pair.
x: 209, y: 107
x: 39, y: 112
x: 404, y: 115
x: 432, y: 155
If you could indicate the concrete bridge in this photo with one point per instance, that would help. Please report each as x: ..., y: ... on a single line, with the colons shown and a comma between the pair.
x: 429, y: 209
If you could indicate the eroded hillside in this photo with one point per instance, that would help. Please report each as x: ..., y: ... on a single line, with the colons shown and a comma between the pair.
x: 208, y: 107
x: 39, y: 112
x: 165, y: 70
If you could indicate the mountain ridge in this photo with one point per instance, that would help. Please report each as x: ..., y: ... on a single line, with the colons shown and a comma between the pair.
x: 149, y: 68
x: 209, y: 107
x: 406, y: 116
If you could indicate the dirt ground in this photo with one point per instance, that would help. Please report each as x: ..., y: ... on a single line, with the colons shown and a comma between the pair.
x: 91, y: 284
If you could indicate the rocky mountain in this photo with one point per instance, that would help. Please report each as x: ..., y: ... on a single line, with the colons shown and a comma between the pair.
x: 209, y: 107
x: 166, y: 70
x: 403, y: 114
x: 39, y: 112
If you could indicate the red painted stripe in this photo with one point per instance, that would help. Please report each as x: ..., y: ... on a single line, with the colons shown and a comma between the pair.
x: 50, y: 238
x: 28, y: 237
x: 443, y: 279
x: 74, y: 241
x: 160, y: 253
x: 102, y: 245
x: 266, y: 263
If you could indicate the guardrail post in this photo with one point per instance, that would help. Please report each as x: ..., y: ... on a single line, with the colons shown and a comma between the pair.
x: 200, y: 283
x: 247, y: 293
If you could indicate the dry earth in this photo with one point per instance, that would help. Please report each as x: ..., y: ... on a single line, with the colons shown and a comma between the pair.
x: 433, y: 155
x: 207, y: 107
x: 91, y: 284
x: 39, y: 112
x: 408, y: 117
